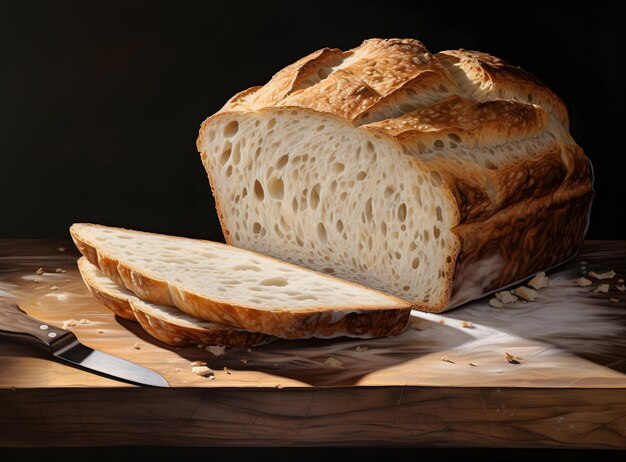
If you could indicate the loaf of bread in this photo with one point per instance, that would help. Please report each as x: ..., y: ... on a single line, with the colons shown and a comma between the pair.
x: 434, y: 177
x: 165, y: 323
x: 231, y: 286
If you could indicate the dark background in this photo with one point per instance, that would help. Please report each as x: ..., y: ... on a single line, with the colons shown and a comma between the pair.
x: 102, y: 101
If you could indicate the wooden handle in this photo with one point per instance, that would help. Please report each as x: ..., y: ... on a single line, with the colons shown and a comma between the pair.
x: 17, y: 326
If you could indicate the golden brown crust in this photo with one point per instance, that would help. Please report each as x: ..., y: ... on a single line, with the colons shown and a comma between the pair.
x: 175, y: 335
x: 118, y: 305
x: 350, y: 321
x: 466, y: 121
x: 514, y: 244
x: 481, y: 70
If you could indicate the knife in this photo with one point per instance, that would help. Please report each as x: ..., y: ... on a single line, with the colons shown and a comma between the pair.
x: 17, y: 326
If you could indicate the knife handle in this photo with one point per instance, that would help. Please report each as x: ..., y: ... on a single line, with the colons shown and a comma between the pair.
x: 17, y: 326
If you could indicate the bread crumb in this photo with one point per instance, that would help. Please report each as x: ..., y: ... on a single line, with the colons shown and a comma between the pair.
x: 526, y: 293
x: 249, y: 350
x: 40, y: 271
x: 442, y: 321
x: 36, y: 281
x: 73, y: 322
x: 200, y: 345
x: 621, y: 288
x: 61, y: 249
x: 226, y: 370
x: 512, y: 359
x: 332, y: 362
x: 60, y: 270
x: 54, y: 288
x: 68, y: 280
x: 539, y: 281
x: 496, y: 303
x: 215, y: 350
x: 602, y: 288
x: 100, y: 331
x: 198, y: 363
x: 473, y: 365
x: 467, y: 325
x: 506, y: 297
x: 136, y: 346
x: 583, y: 282
x: 446, y: 360
x: 620, y: 280
x: 275, y: 364
x: 614, y: 299
x: 244, y: 361
x: 417, y: 323
x: 203, y: 371
x: 606, y: 275
x: 177, y: 369
x: 361, y: 348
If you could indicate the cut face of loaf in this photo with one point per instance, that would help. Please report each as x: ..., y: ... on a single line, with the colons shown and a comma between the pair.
x: 436, y: 178
x: 232, y: 286
x: 165, y: 323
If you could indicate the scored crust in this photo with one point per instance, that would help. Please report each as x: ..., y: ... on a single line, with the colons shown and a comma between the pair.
x: 163, y: 328
x: 350, y: 321
x: 492, y: 135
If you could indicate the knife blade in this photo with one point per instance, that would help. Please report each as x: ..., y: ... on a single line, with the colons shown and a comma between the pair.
x: 17, y: 326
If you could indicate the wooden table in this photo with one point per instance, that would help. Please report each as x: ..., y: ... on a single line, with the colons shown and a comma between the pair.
x: 438, y: 384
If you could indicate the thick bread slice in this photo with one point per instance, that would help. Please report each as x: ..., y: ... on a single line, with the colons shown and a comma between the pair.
x: 165, y: 323
x: 227, y: 285
x: 434, y: 177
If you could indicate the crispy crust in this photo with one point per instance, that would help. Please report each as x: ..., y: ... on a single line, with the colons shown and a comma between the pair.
x: 494, y: 105
x: 350, y: 321
x: 120, y: 306
x: 164, y: 330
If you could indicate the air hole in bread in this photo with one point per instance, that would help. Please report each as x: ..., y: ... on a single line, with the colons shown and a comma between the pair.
x: 339, y: 225
x: 247, y: 268
x: 294, y: 205
x: 415, y: 263
x: 256, y: 227
x: 439, y: 144
x: 305, y: 297
x: 282, y: 161
x: 361, y: 175
x: 320, y: 128
x: 229, y: 171
x: 436, y: 232
x: 258, y: 190
x: 339, y: 167
x: 343, y: 196
x: 454, y: 137
x: 435, y: 178
x: 402, y: 212
x: 299, y: 241
x: 275, y: 281
x: 370, y: 146
x: 368, y: 210
x: 244, y: 192
x: 276, y: 188
x: 225, y: 154
x: 439, y: 214
x: 315, y: 196
x: 406, y: 288
x: 271, y: 123
x: 231, y: 129
x: 389, y: 190
x: 321, y: 232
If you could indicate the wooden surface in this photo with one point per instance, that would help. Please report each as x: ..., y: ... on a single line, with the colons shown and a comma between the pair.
x: 568, y: 390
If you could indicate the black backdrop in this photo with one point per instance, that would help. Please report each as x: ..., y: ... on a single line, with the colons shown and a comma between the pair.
x: 101, y: 101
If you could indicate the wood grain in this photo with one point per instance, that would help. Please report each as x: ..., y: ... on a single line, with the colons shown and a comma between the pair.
x: 368, y: 416
x: 568, y: 391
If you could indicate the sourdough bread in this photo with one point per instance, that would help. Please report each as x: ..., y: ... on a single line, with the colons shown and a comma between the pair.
x: 165, y: 323
x: 434, y: 177
x: 232, y: 286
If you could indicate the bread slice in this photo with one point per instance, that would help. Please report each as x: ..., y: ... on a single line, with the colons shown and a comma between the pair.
x: 165, y: 323
x: 232, y: 286
x: 437, y: 178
